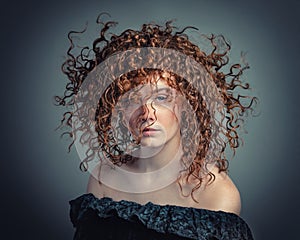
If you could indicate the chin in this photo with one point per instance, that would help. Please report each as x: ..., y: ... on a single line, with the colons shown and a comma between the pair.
x: 147, y: 150
x: 151, y: 145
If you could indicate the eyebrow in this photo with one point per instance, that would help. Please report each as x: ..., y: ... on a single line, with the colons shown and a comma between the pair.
x: 162, y: 89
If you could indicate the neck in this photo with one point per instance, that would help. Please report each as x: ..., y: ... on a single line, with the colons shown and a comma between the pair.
x: 146, y: 174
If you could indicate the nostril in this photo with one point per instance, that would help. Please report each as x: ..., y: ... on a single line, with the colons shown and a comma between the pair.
x: 144, y: 113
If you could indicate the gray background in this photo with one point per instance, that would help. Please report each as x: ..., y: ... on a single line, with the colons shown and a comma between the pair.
x: 39, y: 177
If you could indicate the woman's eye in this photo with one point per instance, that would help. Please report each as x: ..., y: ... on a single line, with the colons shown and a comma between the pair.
x: 161, y: 98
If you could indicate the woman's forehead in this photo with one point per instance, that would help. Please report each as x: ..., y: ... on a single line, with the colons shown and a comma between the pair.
x: 156, y: 86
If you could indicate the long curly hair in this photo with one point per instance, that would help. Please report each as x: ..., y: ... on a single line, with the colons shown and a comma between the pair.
x: 207, y: 131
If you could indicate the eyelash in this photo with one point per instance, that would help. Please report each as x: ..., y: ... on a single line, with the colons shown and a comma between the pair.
x: 161, y: 97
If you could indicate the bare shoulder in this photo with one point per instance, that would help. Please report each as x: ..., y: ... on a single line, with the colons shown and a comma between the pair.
x: 222, y: 193
x: 95, y: 187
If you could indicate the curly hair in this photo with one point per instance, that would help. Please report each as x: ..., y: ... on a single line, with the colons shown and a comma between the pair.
x: 235, y: 106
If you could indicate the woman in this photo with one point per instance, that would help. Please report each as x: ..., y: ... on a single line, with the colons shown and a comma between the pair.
x: 153, y: 115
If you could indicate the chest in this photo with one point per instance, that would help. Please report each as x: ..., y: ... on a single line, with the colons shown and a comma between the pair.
x: 171, y: 195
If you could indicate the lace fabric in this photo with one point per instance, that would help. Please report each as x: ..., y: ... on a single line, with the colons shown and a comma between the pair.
x: 105, y: 218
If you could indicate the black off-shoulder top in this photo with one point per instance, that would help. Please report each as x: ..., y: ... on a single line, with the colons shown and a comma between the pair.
x: 105, y: 218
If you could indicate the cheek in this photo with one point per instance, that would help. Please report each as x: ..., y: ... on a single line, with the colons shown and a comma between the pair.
x: 167, y: 118
x: 133, y: 119
x: 177, y: 112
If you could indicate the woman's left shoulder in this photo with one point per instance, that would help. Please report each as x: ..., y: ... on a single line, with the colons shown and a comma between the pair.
x: 223, y: 194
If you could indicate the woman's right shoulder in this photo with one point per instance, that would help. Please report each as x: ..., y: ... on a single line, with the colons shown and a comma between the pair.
x: 95, y: 187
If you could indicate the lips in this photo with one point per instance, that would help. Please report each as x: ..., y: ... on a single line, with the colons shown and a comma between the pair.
x: 149, y: 131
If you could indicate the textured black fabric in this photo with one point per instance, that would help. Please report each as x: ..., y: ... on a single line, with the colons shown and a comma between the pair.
x: 105, y: 218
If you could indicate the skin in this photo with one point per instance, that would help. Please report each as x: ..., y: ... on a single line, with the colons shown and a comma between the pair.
x: 220, y: 195
x: 157, y: 127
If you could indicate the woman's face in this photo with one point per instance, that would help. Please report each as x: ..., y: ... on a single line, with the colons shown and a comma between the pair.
x: 151, y: 112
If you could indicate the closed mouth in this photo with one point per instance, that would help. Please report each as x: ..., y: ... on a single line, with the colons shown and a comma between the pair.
x: 149, y: 129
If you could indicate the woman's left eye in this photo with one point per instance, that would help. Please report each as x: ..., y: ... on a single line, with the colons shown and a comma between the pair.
x: 161, y: 97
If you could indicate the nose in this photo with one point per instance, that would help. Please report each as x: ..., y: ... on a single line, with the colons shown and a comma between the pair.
x: 148, y: 113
